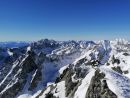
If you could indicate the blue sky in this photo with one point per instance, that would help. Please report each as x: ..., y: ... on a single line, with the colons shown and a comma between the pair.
x: 64, y: 19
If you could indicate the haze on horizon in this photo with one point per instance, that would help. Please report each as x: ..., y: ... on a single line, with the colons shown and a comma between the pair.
x: 28, y: 20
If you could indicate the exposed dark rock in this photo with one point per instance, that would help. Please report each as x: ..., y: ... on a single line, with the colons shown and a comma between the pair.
x: 41, y: 58
x: 125, y: 54
x: 126, y: 72
x: 115, y: 60
x: 69, y: 84
x: 27, y: 66
x: 93, y: 63
x: 98, y: 88
x: 61, y: 77
x: 49, y: 95
x: 37, y: 77
x: 68, y: 81
x: 81, y: 61
x: 13, y: 91
x: 80, y: 72
x: 108, y: 64
x: 117, y: 69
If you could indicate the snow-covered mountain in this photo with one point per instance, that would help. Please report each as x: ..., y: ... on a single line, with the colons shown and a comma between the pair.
x: 66, y: 69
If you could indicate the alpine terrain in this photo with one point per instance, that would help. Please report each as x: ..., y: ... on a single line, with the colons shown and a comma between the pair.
x: 65, y: 69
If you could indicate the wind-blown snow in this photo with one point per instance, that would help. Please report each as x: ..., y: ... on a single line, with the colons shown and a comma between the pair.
x: 117, y: 83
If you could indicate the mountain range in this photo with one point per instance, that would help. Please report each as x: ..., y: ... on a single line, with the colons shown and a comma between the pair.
x: 65, y: 69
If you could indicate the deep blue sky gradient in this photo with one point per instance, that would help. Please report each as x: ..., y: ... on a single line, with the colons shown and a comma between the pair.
x: 64, y: 19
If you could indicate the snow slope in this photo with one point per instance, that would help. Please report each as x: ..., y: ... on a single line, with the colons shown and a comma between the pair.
x: 118, y: 83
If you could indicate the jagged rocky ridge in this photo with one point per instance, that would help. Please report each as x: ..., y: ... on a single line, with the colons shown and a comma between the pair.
x: 66, y: 69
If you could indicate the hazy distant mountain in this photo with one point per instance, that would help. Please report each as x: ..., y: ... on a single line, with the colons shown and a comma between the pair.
x: 13, y: 44
x: 65, y: 69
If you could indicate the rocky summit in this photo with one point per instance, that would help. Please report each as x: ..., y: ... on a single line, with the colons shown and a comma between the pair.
x: 66, y: 69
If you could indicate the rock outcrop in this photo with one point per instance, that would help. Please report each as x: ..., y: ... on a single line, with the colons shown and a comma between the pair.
x: 98, y: 87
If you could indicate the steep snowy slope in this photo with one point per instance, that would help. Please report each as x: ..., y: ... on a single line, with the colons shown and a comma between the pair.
x: 67, y: 69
